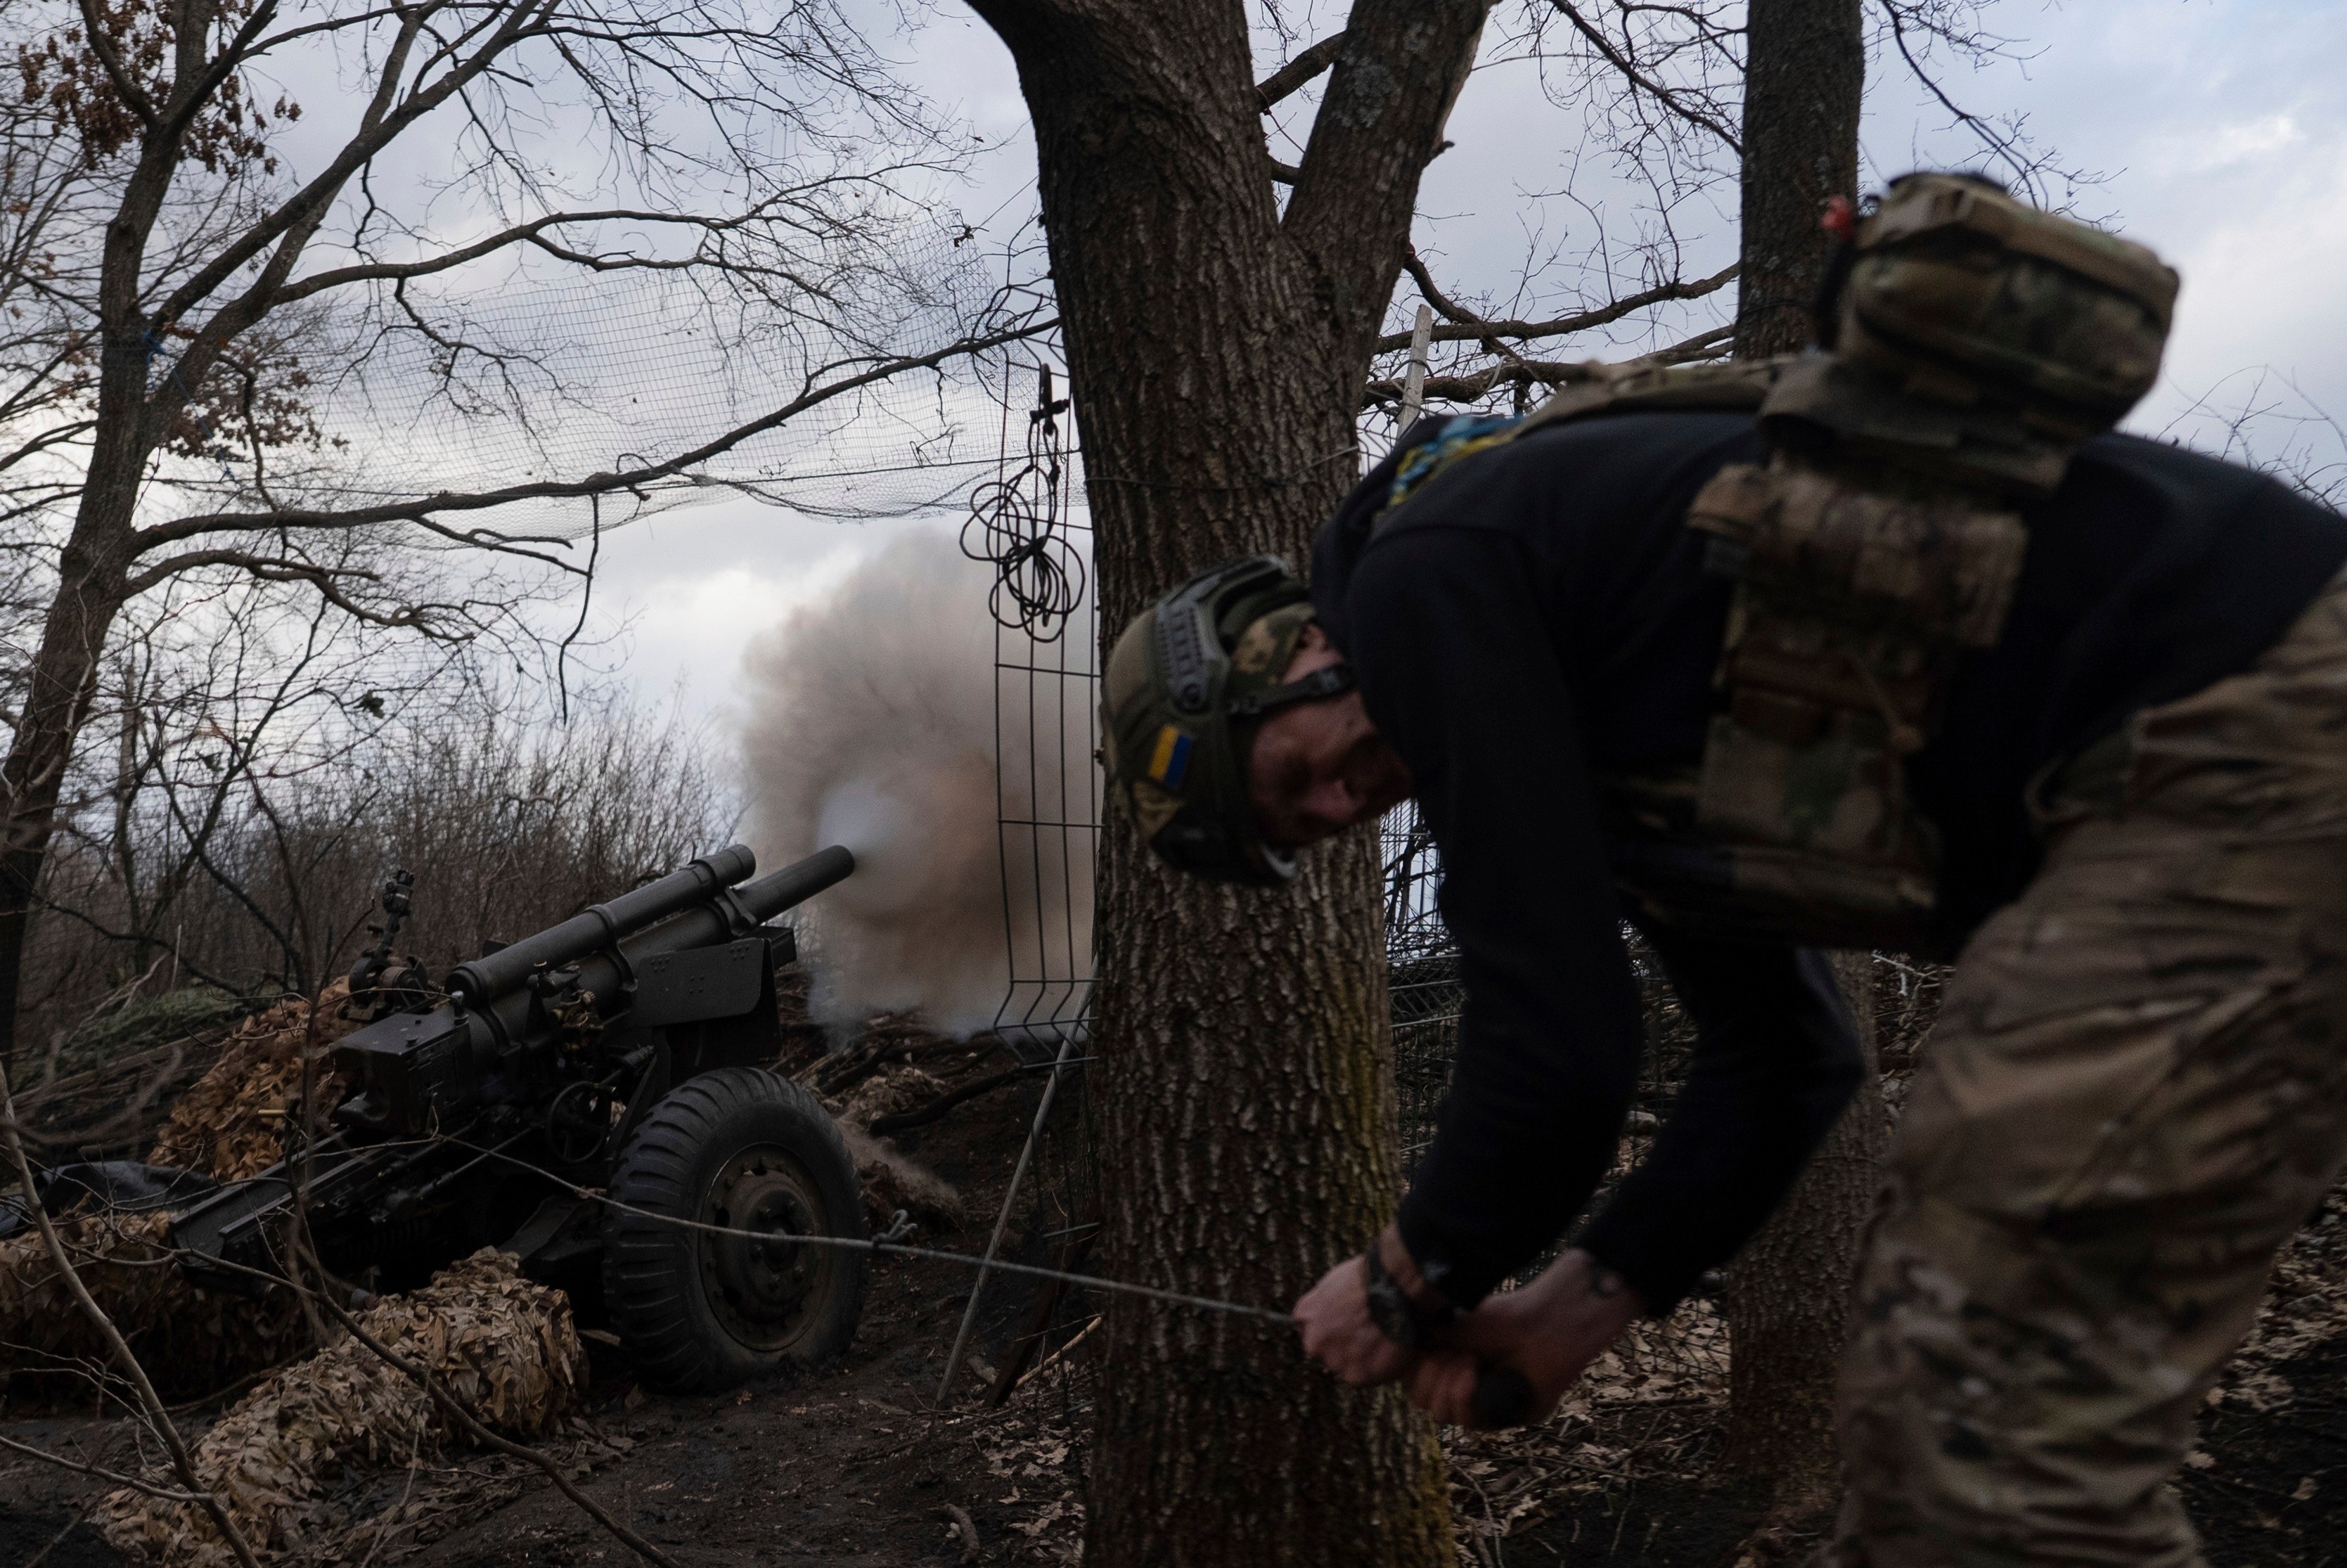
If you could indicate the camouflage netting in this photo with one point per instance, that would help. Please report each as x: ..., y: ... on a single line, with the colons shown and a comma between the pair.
x: 505, y: 1347
x: 191, y: 1340
x: 226, y: 1125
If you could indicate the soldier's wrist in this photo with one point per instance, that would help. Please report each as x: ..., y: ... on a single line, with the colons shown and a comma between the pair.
x: 1406, y: 1308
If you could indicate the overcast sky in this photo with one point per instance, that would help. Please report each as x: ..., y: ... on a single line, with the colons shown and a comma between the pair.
x: 2220, y: 126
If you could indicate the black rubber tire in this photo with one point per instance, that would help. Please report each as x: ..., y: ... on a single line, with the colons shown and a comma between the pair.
x: 665, y: 1285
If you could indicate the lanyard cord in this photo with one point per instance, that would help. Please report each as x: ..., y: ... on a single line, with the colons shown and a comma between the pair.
x: 897, y: 1249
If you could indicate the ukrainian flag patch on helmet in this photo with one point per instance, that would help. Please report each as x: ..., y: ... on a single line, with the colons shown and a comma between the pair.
x: 1169, y: 759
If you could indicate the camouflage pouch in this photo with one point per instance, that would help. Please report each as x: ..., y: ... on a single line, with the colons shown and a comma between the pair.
x: 1980, y: 341
x: 1962, y: 297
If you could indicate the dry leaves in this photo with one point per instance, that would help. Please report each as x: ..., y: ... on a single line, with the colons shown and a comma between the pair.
x: 1029, y: 1452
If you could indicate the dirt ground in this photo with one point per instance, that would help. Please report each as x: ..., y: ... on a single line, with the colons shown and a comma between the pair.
x: 853, y: 1464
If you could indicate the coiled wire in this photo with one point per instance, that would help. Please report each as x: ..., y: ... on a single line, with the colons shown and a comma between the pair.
x: 1016, y: 526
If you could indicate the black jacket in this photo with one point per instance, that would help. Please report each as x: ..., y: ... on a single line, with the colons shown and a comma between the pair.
x: 1540, y: 612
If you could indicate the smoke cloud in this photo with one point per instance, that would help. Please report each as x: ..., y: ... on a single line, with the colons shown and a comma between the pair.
x: 874, y: 724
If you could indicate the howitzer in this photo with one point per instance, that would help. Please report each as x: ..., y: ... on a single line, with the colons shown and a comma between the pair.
x: 625, y: 1050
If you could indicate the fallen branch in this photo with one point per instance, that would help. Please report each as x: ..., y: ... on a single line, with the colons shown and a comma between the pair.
x: 1064, y: 1352
x: 964, y: 1531
x: 156, y: 1416
x: 1073, y: 1250
x: 133, y: 1120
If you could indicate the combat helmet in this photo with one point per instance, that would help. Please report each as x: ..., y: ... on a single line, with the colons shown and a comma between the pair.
x: 1186, y: 684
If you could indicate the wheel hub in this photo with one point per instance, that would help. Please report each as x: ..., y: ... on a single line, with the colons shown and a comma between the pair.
x: 763, y: 1288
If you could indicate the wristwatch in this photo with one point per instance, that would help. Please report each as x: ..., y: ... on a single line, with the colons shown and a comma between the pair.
x: 1399, y: 1316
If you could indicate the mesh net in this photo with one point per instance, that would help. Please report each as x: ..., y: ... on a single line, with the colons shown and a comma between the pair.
x: 541, y: 377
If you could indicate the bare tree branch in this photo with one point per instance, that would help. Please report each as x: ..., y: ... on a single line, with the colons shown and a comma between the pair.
x: 1670, y: 100
x: 1473, y: 331
x: 2025, y: 169
x: 98, y: 1471
x: 1444, y: 305
x: 1387, y: 392
x: 1292, y: 77
x: 636, y: 477
x: 306, y: 205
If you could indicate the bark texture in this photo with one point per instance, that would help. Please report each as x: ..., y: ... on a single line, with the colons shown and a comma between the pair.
x: 1805, y: 67
x: 1216, y: 348
x: 1789, y: 1292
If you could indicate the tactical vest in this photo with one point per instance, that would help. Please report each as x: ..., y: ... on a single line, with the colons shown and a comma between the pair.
x: 1978, y: 342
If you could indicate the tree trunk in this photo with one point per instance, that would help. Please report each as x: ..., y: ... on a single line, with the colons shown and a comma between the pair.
x: 1216, y: 352
x: 1805, y: 65
x: 94, y: 568
x: 63, y: 675
x: 1789, y: 1292
x: 92, y: 573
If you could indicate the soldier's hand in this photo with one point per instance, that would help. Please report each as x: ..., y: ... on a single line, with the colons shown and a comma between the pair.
x: 1550, y: 1331
x: 1338, y: 1332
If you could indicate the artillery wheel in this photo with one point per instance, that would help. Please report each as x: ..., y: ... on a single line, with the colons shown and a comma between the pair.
x: 741, y: 1149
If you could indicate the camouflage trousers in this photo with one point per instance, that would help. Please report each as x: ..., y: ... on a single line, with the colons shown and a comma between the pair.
x: 2136, y: 1091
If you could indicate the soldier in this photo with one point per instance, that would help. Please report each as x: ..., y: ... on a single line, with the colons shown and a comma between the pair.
x: 1889, y: 646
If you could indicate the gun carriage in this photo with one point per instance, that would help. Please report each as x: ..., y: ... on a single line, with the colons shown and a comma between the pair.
x: 626, y: 1050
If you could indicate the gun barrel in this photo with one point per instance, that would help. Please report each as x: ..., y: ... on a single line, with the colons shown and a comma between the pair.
x: 498, y: 974
x: 796, y: 883
x: 707, y: 926
x: 766, y: 898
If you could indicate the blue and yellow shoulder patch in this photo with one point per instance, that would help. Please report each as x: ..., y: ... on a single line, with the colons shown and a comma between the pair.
x: 1461, y: 436
x: 1169, y: 759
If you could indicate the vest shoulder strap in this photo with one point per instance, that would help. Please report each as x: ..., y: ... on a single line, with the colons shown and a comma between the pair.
x: 1737, y: 386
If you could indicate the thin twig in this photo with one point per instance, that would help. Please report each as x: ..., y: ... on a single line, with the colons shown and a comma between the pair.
x: 479, y: 1433
x: 99, y: 1472
x: 391, y: 1514
x: 156, y: 1416
x: 57, y: 1540
x: 1661, y: 94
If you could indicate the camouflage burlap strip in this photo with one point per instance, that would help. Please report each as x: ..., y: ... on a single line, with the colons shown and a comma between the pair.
x: 2134, y: 1096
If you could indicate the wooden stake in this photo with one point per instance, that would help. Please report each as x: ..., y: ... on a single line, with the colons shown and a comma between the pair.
x: 1413, y: 381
